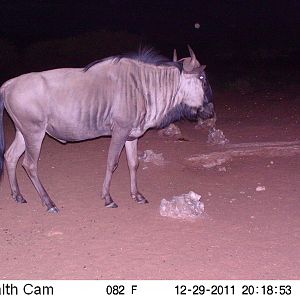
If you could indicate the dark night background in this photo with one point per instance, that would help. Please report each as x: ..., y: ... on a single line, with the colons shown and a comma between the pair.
x: 257, y: 40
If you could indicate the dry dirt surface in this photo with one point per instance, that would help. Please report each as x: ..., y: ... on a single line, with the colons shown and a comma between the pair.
x: 252, y: 201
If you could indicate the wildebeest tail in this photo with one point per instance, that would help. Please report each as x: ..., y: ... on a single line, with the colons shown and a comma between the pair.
x: 2, y: 143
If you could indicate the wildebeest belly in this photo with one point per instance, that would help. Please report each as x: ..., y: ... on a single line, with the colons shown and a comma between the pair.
x: 72, y: 128
x: 71, y: 135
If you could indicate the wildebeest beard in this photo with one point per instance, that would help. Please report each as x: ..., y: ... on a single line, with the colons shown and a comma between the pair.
x: 180, y: 111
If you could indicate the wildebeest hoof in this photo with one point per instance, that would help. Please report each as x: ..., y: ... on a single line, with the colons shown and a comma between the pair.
x: 139, y: 198
x: 109, y: 202
x: 19, y: 199
x: 112, y: 204
x: 142, y: 201
x: 53, y: 209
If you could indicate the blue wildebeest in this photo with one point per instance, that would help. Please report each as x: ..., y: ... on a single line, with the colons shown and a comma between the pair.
x: 121, y: 96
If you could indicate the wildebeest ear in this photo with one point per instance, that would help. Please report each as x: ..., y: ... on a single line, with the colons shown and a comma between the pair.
x: 174, y: 55
x: 202, y: 67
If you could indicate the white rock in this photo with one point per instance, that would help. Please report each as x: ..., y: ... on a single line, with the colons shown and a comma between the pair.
x: 260, y: 188
x: 185, y: 206
x: 150, y: 156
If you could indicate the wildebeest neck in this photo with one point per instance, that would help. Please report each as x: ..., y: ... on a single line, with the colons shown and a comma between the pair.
x: 180, y: 111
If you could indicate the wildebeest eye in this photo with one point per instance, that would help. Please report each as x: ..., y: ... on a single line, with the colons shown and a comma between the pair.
x: 201, y: 77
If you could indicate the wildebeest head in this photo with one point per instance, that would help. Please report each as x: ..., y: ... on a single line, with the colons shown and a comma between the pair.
x: 195, y: 89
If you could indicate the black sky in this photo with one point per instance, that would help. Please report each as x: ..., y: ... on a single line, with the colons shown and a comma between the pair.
x: 223, y: 24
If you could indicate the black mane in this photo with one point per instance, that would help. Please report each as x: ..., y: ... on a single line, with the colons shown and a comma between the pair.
x: 145, y: 55
x: 87, y: 67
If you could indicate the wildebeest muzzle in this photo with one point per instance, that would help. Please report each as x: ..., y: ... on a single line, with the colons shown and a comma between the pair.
x: 206, y: 111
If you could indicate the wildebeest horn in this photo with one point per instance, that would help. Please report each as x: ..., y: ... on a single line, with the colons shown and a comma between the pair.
x: 192, y: 54
x: 174, y: 55
x: 191, y: 63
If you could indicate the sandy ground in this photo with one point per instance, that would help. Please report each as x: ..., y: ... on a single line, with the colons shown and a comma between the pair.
x: 249, y: 234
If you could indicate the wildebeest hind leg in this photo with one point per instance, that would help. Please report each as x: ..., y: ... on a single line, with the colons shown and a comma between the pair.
x: 32, y: 151
x: 12, y: 156
x: 133, y: 163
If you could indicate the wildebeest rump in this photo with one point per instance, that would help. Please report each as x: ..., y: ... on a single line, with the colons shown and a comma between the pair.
x: 119, y: 96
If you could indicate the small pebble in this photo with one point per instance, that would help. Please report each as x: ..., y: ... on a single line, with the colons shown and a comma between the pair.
x: 222, y: 169
x: 260, y: 188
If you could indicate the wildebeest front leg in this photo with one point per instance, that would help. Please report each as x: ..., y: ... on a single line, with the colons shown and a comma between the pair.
x: 116, y: 145
x: 133, y: 163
